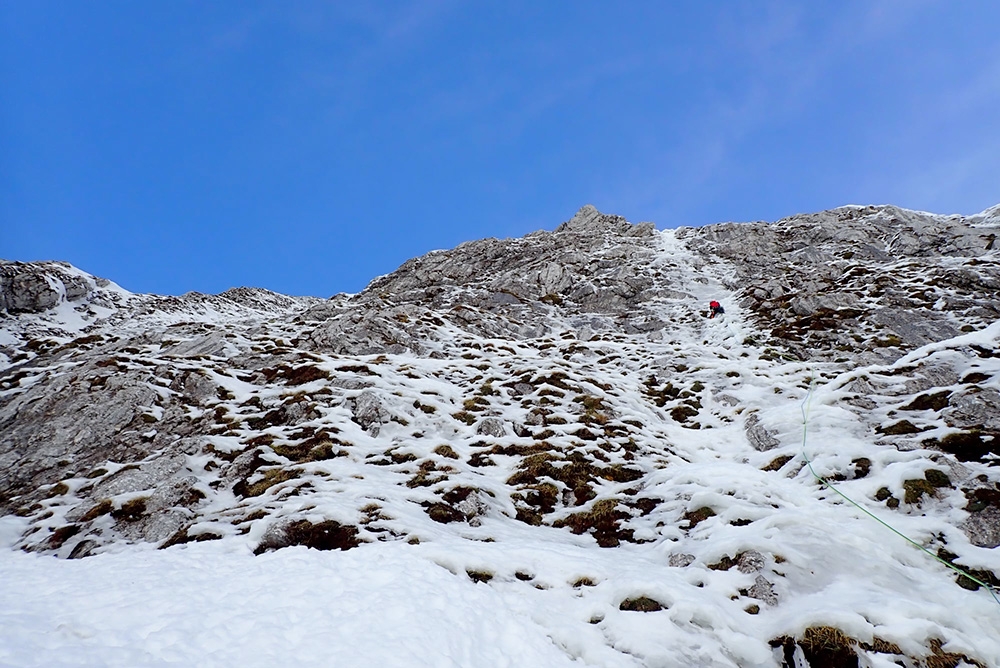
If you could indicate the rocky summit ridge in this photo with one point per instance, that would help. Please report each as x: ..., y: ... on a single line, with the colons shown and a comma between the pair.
x: 563, y: 388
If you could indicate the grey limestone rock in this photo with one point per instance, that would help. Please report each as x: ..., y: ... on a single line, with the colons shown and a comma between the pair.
x: 195, y: 386
x: 369, y: 413
x: 491, y: 426
x: 680, y: 560
x: 750, y: 561
x: 33, y: 287
x: 759, y: 437
x: 979, y: 408
x: 763, y: 590
x: 983, y: 527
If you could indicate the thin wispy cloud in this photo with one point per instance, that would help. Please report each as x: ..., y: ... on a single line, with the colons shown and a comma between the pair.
x: 378, y: 131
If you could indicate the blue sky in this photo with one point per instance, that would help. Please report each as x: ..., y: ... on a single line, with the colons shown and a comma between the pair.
x: 307, y: 147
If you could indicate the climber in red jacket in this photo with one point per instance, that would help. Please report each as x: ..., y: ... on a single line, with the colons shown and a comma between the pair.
x: 716, y: 308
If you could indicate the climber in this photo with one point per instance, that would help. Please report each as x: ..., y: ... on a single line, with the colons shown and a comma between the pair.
x: 716, y: 308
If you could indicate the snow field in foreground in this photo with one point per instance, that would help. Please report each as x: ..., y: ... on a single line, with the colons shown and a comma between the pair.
x: 382, y: 606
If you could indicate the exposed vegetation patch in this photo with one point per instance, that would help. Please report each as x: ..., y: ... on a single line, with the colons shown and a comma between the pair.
x: 479, y: 575
x: 131, y: 511
x: 917, y: 488
x: 941, y: 659
x: 928, y: 402
x: 697, y: 516
x: 577, y: 471
x: 602, y: 520
x: 102, y: 507
x: 966, y: 582
x: 62, y: 534
x: 326, y: 535
x: 901, y: 428
x: 776, y: 463
x: 182, y: 536
x: 641, y: 604
x: 269, y: 478
x: 969, y: 446
x: 312, y: 450
x: 446, y: 450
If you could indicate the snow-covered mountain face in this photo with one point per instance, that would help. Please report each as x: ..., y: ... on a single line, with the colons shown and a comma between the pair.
x: 556, y: 417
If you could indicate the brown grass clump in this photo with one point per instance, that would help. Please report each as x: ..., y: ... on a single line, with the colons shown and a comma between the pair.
x: 305, y: 374
x: 970, y: 446
x: 479, y: 576
x: 915, y: 489
x: 941, y: 659
x: 641, y: 604
x: 326, y: 535
x: 62, y: 534
x: 446, y: 450
x: 131, y: 511
x: 271, y: 478
x: 901, y: 428
x: 466, y: 417
x: 777, y: 463
x: 602, y: 519
x: 823, y: 646
x: 928, y: 402
x: 826, y: 646
x: 697, y: 516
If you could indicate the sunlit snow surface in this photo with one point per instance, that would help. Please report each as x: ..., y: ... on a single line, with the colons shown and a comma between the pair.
x: 382, y: 605
x: 554, y: 597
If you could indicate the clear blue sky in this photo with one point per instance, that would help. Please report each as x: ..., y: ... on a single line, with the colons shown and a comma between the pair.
x: 307, y: 147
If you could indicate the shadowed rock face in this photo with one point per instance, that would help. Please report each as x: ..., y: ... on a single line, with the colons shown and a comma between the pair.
x: 172, y: 403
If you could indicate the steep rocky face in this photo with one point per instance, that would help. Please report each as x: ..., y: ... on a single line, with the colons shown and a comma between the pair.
x: 874, y: 280
x: 566, y: 381
x: 594, y: 268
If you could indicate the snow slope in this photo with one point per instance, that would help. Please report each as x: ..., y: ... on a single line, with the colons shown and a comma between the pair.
x: 617, y: 481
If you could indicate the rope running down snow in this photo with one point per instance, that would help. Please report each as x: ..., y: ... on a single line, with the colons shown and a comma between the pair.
x: 806, y: 403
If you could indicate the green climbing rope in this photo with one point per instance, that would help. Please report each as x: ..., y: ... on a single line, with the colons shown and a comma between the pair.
x: 806, y: 403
